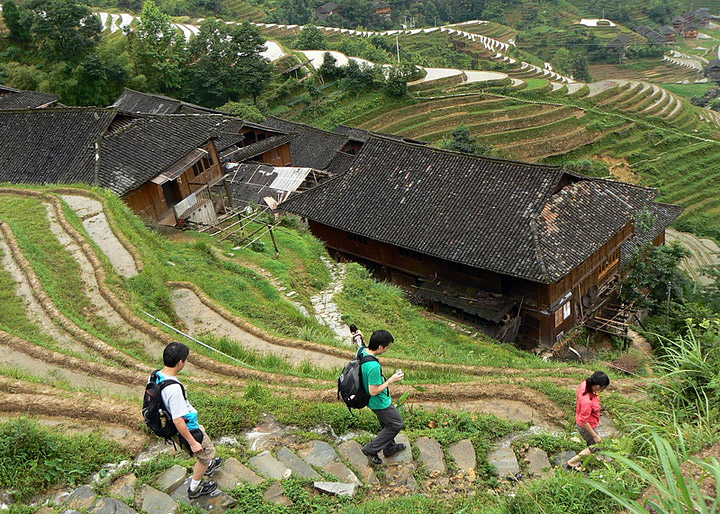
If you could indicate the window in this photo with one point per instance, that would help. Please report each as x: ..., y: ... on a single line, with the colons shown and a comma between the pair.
x: 563, y: 313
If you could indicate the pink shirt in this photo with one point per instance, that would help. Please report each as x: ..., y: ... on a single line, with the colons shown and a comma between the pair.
x: 588, y: 407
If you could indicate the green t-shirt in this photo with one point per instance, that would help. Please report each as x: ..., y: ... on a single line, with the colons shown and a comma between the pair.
x: 372, y: 375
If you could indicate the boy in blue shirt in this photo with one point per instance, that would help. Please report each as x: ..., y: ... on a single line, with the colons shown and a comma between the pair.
x: 192, y: 435
x: 380, y: 402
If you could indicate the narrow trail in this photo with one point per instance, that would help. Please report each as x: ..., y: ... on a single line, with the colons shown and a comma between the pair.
x: 34, y: 310
x: 95, y: 222
x: 200, y: 319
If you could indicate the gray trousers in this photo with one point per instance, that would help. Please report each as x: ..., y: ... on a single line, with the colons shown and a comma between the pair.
x: 391, y: 422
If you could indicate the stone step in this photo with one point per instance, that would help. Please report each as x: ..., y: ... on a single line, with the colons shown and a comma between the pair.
x: 298, y: 466
x: 171, y: 478
x: 276, y: 494
x: 463, y: 453
x: 111, y: 506
x: 538, y: 463
x: 269, y: 467
x: 504, y: 460
x: 233, y: 473
x: 403, y: 456
x: 431, y: 455
x: 322, y: 455
x: 215, y: 501
x: 351, y: 451
x: 156, y: 502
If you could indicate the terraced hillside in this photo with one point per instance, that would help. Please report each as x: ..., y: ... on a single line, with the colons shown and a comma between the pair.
x: 79, y: 273
x: 243, y: 10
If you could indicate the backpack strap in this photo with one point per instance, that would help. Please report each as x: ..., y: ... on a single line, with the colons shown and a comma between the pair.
x: 162, y: 385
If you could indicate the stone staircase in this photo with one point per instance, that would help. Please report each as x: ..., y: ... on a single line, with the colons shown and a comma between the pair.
x: 336, y: 469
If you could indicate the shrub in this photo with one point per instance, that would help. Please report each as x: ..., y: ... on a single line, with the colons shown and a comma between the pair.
x: 34, y: 458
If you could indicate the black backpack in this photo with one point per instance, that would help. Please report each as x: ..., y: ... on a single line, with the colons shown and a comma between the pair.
x: 156, y: 414
x: 350, y: 383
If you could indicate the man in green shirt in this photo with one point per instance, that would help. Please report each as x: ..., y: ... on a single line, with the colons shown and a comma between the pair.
x: 380, y: 402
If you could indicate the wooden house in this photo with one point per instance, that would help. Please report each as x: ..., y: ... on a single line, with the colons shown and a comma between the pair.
x: 326, y: 10
x: 259, y: 143
x: 713, y: 70
x: 678, y: 24
x: 667, y: 32
x: 382, y: 9
x: 703, y: 16
x: 520, y: 249
x: 619, y: 45
x: 652, y: 36
x: 312, y: 147
x: 690, y: 31
x: 11, y: 98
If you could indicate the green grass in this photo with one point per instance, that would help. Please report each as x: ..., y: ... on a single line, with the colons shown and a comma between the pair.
x: 689, y: 90
x: 34, y: 458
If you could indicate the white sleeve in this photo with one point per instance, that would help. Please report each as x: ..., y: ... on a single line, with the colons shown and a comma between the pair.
x: 175, y: 401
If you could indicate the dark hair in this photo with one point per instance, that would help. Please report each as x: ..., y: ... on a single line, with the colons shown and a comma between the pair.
x: 352, y: 327
x: 380, y: 338
x: 598, y: 378
x: 174, y: 353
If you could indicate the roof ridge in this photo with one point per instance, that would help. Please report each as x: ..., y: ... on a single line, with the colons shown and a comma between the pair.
x: 374, y: 135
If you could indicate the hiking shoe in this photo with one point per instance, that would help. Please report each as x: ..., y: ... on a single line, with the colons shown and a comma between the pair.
x: 204, y: 487
x: 214, y: 464
x: 395, y: 449
x: 374, y: 458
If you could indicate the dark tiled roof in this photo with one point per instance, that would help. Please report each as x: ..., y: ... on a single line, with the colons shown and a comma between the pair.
x: 491, y: 214
x: 51, y: 145
x: 137, y: 102
x: 313, y: 147
x: 150, y: 144
x: 664, y: 214
x: 253, y: 150
x: 362, y: 135
x: 250, y: 182
x: 340, y: 163
x: 666, y: 30
x: 18, y: 99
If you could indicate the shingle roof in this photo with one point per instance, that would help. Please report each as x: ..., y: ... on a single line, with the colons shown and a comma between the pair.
x: 666, y: 30
x: 18, y: 99
x: 492, y: 214
x: 340, y: 163
x: 362, y: 135
x: 259, y: 148
x: 313, y: 147
x: 137, y: 102
x: 150, y: 144
x: 51, y: 145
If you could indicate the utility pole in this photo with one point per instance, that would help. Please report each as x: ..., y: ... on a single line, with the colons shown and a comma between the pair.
x: 397, y: 47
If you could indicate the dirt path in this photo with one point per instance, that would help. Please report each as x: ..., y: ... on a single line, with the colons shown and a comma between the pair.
x: 327, y: 311
x: 102, y: 308
x: 504, y: 409
x: 705, y: 252
x: 133, y: 440
x: 52, y: 373
x: 34, y: 311
x: 199, y: 318
x: 97, y: 226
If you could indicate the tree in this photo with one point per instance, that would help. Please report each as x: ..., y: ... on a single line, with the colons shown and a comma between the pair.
x: 310, y: 38
x: 158, y: 50
x: 329, y: 68
x: 18, y: 21
x: 579, y: 69
x: 357, y: 12
x: 462, y: 141
x: 63, y: 29
x: 652, y: 275
x: 226, y: 64
x: 293, y: 12
x: 244, y: 110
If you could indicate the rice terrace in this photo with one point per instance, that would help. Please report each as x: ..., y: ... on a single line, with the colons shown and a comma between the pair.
x: 493, y: 223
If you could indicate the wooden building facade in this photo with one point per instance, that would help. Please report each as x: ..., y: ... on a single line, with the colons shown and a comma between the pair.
x: 163, y: 198
x: 524, y: 251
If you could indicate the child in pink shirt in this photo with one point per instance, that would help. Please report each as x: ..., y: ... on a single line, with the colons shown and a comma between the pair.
x: 587, y: 413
